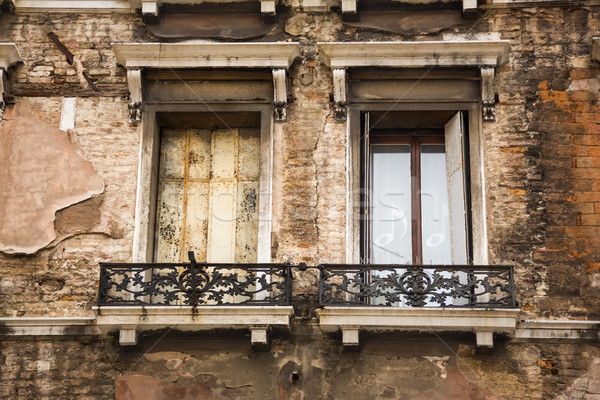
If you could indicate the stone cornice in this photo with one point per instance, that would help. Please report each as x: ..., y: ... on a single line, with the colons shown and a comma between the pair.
x: 414, y: 54
x: 206, y: 55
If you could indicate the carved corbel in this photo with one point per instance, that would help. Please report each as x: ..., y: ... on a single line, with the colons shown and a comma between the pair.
x: 280, y: 98
x: 469, y: 8
x: 134, y: 80
x: 488, y: 100
x: 349, y: 10
x: 339, y: 94
x: 268, y: 12
x: 150, y: 12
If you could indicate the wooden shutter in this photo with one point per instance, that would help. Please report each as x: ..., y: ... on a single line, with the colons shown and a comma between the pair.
x: 454, y: 131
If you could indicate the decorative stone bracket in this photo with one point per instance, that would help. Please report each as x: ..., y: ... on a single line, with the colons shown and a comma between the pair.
x: 9, y: 55
x: 134, y: 80
x: 488, y: 99
x: 339, y: 94
x: 280, y: 95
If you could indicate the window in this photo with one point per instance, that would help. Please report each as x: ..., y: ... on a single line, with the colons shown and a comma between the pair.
x: 415, y: 191
x: 208, y: 187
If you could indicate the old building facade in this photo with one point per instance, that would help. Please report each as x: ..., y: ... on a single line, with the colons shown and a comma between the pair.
x: 304, y: 199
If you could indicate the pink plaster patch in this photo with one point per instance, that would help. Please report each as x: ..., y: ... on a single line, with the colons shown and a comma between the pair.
x: 40, y: 173
x: 141, y: 387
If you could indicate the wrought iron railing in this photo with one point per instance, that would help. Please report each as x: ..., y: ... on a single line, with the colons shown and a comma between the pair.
x: 417, y: 286
x: 194, y: 284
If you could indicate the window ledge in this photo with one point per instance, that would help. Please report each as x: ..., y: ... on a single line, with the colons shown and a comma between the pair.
x: 484, y: 322
x: 130, y: 320
x: 206, y: 55
x: 415, y: 54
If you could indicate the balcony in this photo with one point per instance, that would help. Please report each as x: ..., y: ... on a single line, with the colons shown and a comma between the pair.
x: 425, y: 298
x: 193, y: 297
x: 202, y: 296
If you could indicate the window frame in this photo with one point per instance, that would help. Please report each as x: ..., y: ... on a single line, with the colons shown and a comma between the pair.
x: 147, y: 182
x: 415, y: 142
x: 476, y: 166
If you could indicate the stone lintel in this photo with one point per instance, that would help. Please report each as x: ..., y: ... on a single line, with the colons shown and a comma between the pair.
x: 420, y: 54
x: 206, y: 55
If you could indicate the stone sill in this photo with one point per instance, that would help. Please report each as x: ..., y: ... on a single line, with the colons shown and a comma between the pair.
x: 190, y: 318
x: 130, y: 320
x: 206, y: 55
x: 417, y: 54
x: 484, y: 322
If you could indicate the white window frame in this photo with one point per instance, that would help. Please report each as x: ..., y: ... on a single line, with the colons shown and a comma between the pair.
x: 476, y: 164
x: 135, y: 57
x: 147, y: 190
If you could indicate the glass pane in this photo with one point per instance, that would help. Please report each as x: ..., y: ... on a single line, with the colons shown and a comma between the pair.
x: 435, y: 217
x: 391, y: 235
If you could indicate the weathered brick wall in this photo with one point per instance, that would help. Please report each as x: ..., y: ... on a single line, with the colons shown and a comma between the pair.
x: 541, y: 164
x: 542, y: 185
x: 223, y: 367
x: 539, y: 154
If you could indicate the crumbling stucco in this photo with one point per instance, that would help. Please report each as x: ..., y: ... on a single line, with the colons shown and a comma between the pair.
x: 40, y: 173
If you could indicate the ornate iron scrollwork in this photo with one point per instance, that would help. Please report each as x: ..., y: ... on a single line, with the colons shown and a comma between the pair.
x: 417, y: 286
x: 194, y: 284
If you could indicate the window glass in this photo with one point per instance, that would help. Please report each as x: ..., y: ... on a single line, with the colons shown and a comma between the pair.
x: 391, y: 233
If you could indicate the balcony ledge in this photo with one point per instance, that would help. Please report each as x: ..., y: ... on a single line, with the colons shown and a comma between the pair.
x: 130, y: 320
x: 484, y: 322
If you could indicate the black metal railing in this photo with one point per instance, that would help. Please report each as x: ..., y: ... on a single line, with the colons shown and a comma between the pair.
x: 194, y: 284
x: 339, y: 285
x: 417, y: 286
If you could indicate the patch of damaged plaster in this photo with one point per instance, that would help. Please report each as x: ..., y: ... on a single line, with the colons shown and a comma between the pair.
x: 140, y: 387
x: 40, y: 173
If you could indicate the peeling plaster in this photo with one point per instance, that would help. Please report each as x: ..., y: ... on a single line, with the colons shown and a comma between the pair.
x: 40, y: 173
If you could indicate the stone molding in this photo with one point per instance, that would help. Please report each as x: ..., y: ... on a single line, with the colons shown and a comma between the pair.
x: 276, y: 56
x: 557, y: 330
x: 484, y: 54
x: 108, y: 6
x: 484, y: 322
x: 206, y: 55
x: 48, y: 326
x: 415, y: 54
x: 130, y: 320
